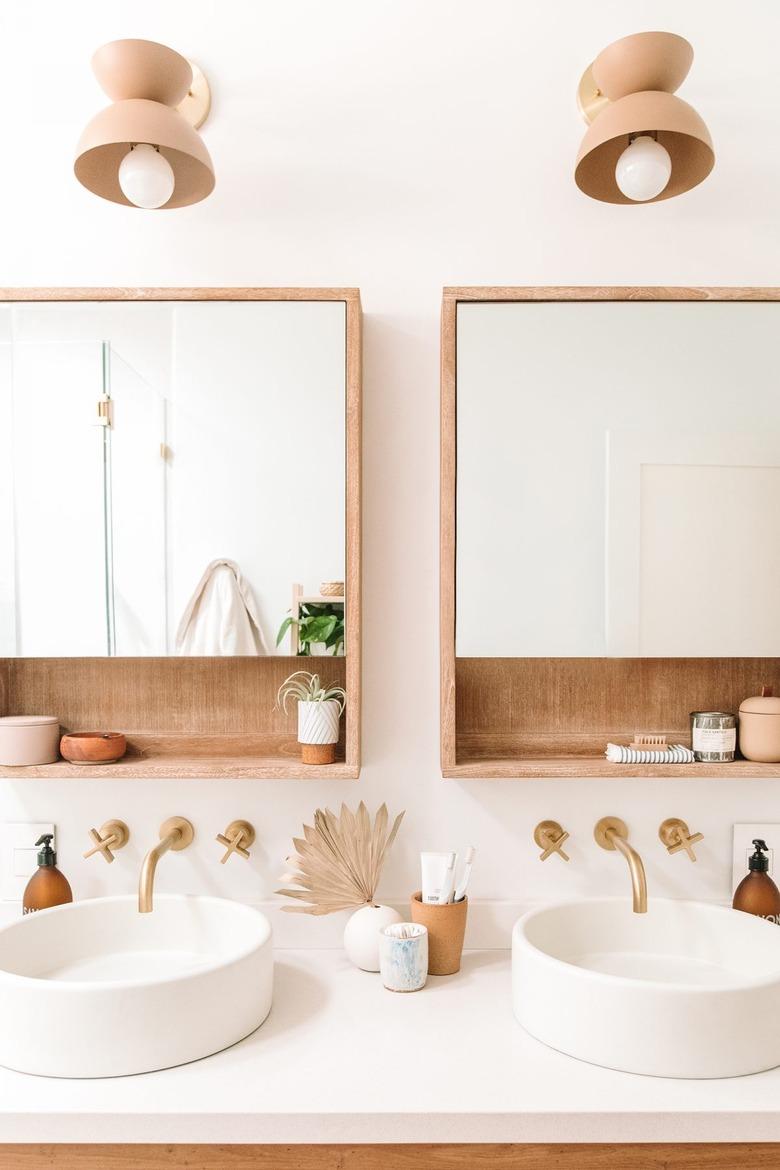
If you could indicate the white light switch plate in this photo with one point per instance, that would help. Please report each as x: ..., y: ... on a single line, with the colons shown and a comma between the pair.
x: 743, y: 847
x: 19, y: 857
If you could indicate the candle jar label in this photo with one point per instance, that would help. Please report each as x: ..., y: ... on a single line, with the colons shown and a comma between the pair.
x: 714, y: 739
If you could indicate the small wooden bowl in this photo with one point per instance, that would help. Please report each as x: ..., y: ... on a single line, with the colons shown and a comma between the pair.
x: 93, y: 747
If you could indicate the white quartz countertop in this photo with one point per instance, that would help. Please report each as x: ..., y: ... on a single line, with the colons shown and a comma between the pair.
x: 340, y: 1059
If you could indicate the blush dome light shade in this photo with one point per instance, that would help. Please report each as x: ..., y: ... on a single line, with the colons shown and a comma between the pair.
x: 643, y: 61
x: 146, y: 81
x: 677, y: 127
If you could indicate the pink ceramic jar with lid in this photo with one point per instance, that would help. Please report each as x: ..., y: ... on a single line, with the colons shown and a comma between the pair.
x: 26, y: 740
x: 759, y: 727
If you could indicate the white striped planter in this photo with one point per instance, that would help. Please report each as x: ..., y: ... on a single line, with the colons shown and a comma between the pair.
x: 319, y: 722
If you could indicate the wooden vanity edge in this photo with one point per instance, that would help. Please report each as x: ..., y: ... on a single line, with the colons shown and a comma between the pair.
x: 542, y: 1156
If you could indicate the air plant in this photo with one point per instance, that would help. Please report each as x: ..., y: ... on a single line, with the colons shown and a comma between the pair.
x: 338, y: 861
x: 307, y: 688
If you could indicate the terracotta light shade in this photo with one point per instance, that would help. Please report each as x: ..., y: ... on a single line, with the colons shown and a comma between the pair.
x: 146, y: 83
x: 629, y: 91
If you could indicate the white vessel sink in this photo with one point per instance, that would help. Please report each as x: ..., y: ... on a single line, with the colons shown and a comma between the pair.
x: 686, y: 990
x: 95, y: 989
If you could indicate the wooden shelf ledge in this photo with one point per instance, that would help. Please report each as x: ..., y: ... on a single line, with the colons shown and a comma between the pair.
x: 598, y: 768
x: 170, y: 767
x: 198, y: 757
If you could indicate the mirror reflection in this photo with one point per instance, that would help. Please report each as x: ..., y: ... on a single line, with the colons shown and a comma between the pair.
x: 172, y: 478
x: 618, y: 479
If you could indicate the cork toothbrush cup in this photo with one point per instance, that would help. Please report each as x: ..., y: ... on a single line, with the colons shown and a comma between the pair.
x: 446, y: 930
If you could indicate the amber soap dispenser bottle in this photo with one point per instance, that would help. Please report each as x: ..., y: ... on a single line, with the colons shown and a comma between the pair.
x: 757, y: 893
x: 47, y: 886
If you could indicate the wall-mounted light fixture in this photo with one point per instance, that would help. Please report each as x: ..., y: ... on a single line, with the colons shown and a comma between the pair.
x: 144, y: 149
x: 644, y: 143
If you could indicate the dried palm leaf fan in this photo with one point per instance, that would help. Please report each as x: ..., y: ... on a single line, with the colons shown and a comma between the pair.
x: 338, y: 862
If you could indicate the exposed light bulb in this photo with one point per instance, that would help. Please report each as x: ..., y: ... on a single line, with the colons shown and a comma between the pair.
x: 146, y: 177
x: 643, y: 169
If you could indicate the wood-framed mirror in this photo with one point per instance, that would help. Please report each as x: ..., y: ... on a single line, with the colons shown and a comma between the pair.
x: 610, y: 485
x: 180, y: 520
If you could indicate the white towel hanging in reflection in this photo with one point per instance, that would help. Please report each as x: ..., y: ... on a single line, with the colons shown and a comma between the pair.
x: 221, y: 617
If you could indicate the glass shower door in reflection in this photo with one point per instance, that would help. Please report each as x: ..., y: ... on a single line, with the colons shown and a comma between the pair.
x: 82, y: 503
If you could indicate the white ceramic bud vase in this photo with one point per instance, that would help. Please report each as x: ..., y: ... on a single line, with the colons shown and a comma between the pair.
x: 362, y: 934
x: 318, y: 730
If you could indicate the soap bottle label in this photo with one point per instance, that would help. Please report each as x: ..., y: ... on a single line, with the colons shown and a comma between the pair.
x: 714, y: 739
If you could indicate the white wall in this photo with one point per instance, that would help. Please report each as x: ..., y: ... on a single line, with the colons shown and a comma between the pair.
x: 399, y: 146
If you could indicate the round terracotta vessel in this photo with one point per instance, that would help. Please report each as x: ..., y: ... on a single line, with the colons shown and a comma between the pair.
x: 93, y: 747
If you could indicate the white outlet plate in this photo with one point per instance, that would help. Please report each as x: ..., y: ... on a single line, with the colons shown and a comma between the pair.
x: 743, y: 847
x: 19, y: 856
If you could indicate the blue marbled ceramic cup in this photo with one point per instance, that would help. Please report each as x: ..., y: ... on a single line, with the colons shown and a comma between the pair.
x: 403, y: 956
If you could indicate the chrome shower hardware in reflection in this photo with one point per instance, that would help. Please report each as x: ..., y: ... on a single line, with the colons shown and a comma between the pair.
x: 238, y: 836
x: 612, y: 833
x: 677, y: 837
x: 105, y: 411
x: 549, y: 836
x: 112, y: 835
x: 176, y: 833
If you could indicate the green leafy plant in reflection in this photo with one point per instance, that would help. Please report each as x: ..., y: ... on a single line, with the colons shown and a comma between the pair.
x: 317, y: 621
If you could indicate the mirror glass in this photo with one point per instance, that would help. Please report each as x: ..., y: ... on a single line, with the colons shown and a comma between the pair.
x: 618, y: 479
x: 172, y: 478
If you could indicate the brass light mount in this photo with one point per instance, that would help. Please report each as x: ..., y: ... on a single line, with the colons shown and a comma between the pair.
x: 237, y: 838
x: 550, y: 836
x: 590, y: 100
x: 107, y: 839
x: 196, y: 105
x: 678, y: 838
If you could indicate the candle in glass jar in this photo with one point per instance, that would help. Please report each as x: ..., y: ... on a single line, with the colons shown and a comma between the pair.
x: 714, y: 736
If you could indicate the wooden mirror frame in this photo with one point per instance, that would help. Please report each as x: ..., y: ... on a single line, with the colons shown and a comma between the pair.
x: 489, y: 747
x: 200, y: 717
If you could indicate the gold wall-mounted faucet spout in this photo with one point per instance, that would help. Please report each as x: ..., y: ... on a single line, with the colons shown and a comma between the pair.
x: 612, y: 833
x: 176, y: 833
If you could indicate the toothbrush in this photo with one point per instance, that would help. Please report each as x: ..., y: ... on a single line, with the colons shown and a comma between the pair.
x: 460, y: 892
x: 447, y: 885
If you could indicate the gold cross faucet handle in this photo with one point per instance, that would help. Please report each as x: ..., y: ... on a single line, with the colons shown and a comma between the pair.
x: 549, y: 836
x: 237, y: 838
x: 112, y: 835
x: 677, y: 837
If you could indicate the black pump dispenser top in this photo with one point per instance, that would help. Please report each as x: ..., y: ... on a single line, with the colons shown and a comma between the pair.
x: 759, y: 862
x: 46, y: 856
